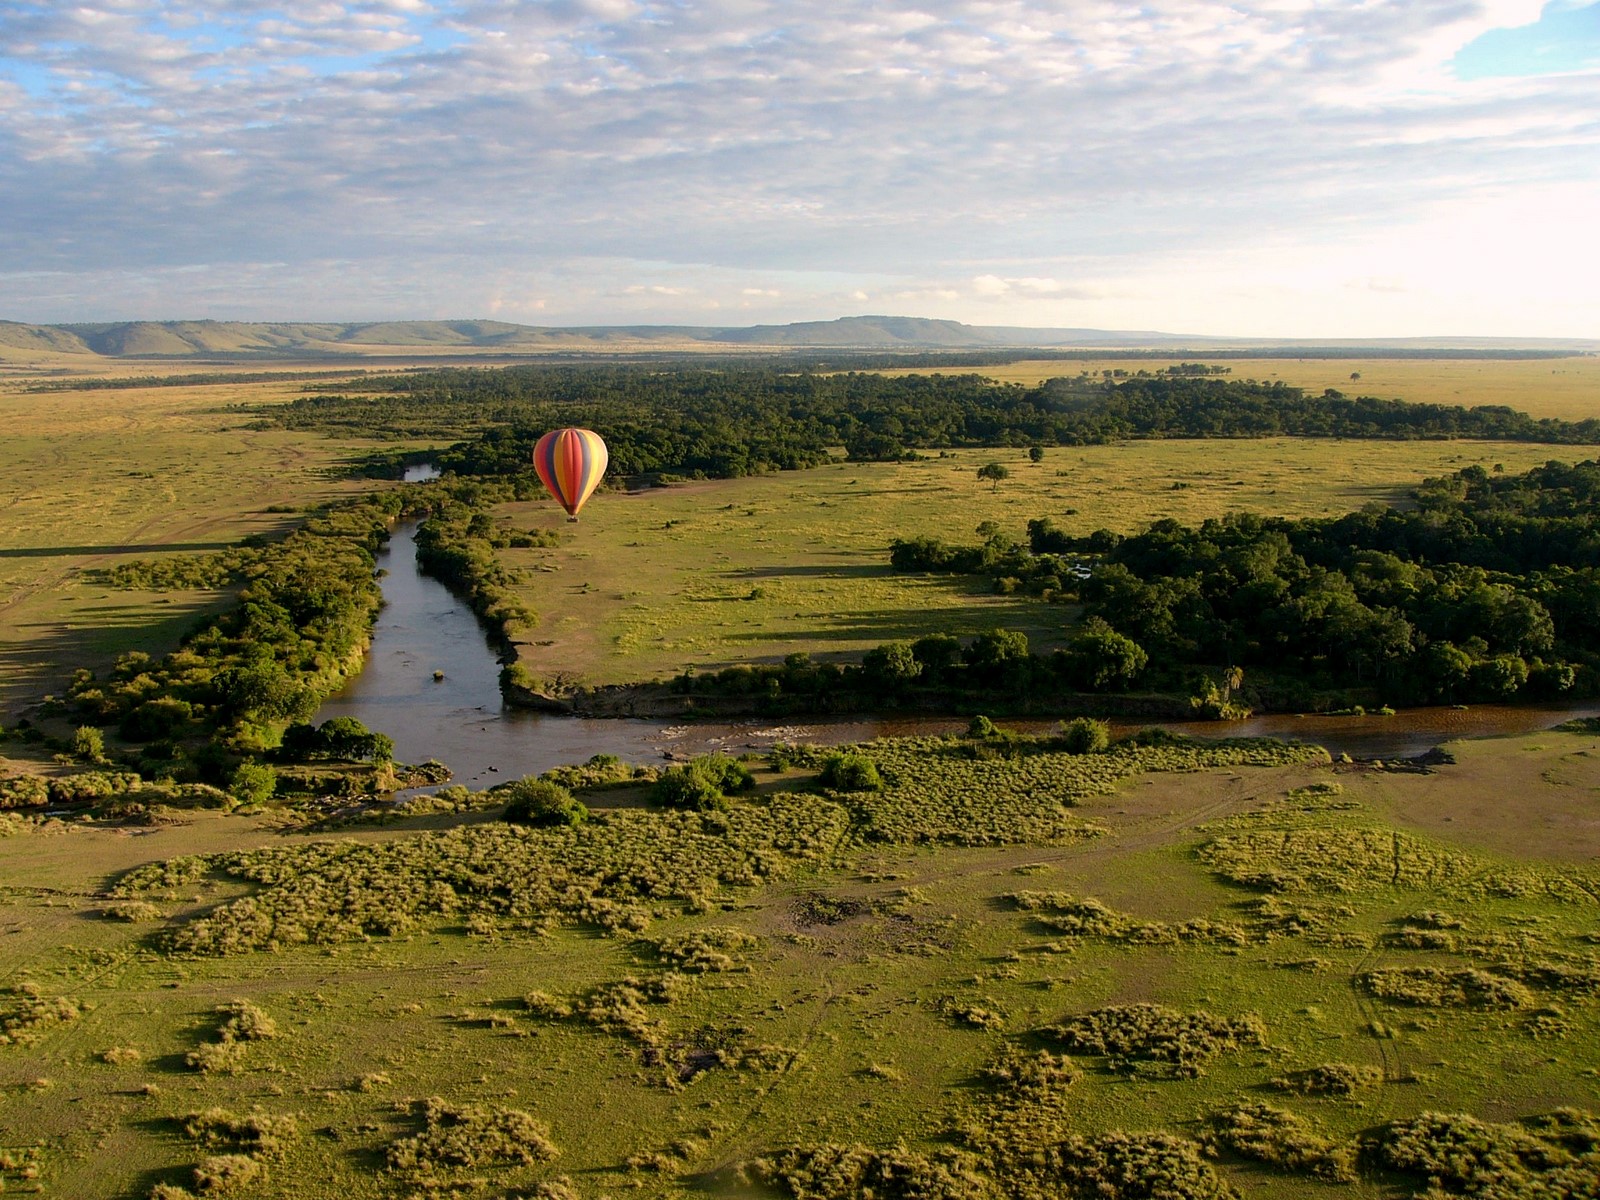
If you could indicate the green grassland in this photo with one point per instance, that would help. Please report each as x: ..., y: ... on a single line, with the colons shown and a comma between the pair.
x: 753, y: 569
x: 95, y: 477
x: 663, y: 998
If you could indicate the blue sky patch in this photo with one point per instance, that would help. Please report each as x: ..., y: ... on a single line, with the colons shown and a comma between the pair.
x: 1564, y: 38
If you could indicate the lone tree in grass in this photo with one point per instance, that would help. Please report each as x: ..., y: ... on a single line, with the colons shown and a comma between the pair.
x: 994, y: 472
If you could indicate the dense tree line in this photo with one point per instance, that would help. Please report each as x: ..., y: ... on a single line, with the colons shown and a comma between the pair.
x: 994, y: 670
x: 745, y: 420
x: 1488, y: 589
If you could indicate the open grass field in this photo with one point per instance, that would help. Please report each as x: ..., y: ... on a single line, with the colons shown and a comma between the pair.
x: 96, y: 476
x: 861, y: 989
x: 1566, y: 388
x: 708, y: 574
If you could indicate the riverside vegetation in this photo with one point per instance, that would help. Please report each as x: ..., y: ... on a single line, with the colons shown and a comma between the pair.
x: 981, y: 966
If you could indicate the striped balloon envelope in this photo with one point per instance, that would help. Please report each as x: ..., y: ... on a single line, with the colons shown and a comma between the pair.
x: 570, y: 463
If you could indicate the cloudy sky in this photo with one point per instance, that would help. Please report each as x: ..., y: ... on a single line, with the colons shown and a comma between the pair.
x: 1264, y: 167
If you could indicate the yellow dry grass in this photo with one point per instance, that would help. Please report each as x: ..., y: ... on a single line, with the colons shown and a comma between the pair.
x: 1568, y: 388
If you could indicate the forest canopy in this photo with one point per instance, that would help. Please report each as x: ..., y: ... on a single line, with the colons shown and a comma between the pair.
x: 747, y: 420
x: 1485, y: 590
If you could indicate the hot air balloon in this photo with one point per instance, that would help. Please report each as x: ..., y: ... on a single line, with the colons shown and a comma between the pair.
x: 570, y: 463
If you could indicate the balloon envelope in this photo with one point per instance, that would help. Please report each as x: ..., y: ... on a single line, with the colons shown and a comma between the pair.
x: 570, y: 463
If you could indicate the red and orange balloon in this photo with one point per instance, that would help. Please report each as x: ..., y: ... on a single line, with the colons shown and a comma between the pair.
x: 570, y: 463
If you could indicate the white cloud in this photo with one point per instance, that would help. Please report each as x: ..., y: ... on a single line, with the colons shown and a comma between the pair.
x: 993, y: 159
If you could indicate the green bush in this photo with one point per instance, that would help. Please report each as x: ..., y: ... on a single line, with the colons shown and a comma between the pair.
x: 702, y: 784
x: 1329, y: 1079
x: 539, y: 802
x: 1280, y: 1139
x: 89, y: 744
x: 253, y: 783
x: 470, y: 1135
x: 834, y: 1172
x: 684, y: 787
x: 847, y: 772
x: 1085, y: 735
x: 1149, y: 1036
x: 1459, y: 1155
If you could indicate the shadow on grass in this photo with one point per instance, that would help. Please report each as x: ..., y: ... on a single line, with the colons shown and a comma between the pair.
x: 132, y: 548
x: 822, y: 571
x: 908, y: 624
x: 40, y: 656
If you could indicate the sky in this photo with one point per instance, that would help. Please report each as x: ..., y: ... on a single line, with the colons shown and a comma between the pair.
x: 1271, y: 168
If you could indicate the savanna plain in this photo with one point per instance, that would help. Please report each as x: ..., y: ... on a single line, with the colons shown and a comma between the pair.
x: 975, y: 966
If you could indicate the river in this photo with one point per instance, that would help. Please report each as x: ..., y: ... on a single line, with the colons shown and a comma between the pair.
x: 457, y: 716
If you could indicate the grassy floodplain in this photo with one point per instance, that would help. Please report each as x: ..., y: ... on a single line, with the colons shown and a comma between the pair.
x: 864, y: 988
x: 709, y: 574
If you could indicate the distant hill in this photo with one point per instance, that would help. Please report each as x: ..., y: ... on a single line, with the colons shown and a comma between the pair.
x: 178, y: 340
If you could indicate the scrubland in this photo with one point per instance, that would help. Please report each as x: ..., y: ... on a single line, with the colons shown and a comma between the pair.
x: 1012, y: 971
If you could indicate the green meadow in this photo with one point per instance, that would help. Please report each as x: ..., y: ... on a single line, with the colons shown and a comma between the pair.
x: 708, y: 574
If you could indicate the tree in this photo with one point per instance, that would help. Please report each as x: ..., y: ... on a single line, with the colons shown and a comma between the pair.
x: 539, y: 802
x: 1098, y: 658
x: 253, y: 783
x: 936, y: 652
x: 1036, y: 454
x: 990, y: 652
x: 891, y: 666
x: 348, y: 738
x: 993, y: 472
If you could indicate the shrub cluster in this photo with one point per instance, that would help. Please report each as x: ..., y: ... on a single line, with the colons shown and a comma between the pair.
x: 1151, y: 1037
x: 1127, y: 1166
x: 714, y: 949
x: 26, y: 1014
x: 838, y: 1172
x: 599, y: 771
x: 1036, y: 1075
x: 1329, y: 1079
x: 241, y: 1022
x: 1435, y: 987
x: 1280, y: 1139
x: 609, y: 872
x: 465, y: 1136
x: 240, y: 1148
x: 1073, y: 916
x: 1557, y: 1155
x: 1349, y: 861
